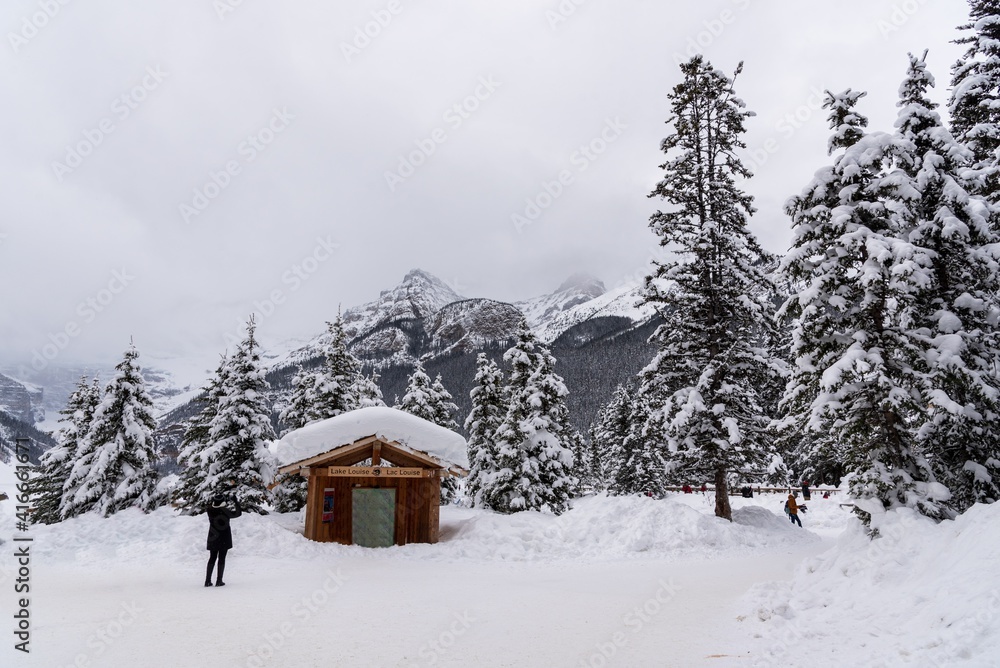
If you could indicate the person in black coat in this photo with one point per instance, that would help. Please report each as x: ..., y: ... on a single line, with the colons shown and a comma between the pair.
x: 220, y: 536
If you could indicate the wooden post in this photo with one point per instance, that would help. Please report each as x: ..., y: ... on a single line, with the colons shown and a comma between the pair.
x: 314, y: 507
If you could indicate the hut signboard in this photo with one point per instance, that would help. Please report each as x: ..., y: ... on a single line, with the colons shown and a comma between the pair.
x: 378, y: 471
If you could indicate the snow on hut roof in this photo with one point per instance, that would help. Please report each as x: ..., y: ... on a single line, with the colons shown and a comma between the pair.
x: 389, y: 424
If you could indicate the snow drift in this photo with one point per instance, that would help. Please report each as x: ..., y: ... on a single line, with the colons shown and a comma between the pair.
x: 596, y: 529
x: 922, y: 594
x: 602, y: 528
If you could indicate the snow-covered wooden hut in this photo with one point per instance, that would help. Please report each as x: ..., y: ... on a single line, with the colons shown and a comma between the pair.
x: 374, y: 476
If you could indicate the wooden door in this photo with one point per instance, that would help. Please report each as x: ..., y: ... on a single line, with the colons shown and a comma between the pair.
x: 373, y: 517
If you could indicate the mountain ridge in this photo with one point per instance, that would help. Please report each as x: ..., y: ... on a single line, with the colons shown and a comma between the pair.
x: 382, y: 331
x: 599, y: 337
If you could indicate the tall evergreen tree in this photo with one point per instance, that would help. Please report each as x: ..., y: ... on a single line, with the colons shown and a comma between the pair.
x: 431, y: 401
x: 80, y: 462
x: 597, y: 458
x: 419, y: 398
x: 609, y: 431
x: 813, y: 279
x: 482, y: 424
x: 313, y: 392
x: 336, y: 383
x: 362, y: 391
x: 56, y: 463
x: 534, y: 455
x: 715, y: 298
x: 300, y: 409
x: 444, y: 407
x: 975, y: 97
x: 290, y: 489
x: 191, y: 494
x: 238, y: 458
x: 956, y: 287
x: 367, y: 391
x: 583, y: 466
x: 853, y: 381
x: 290, y: 492
x: 116, y: 470
x: 640, y: 466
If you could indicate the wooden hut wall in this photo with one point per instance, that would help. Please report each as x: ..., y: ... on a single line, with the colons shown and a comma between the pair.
x: 417, y: 508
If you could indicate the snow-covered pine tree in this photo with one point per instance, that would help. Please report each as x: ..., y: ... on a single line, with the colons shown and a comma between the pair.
x: 192, y: 496
x: 640, y: 466
x: 444, y: 407
x: 488, y: 409
x: 975, y: 96
x: 852, y: 387
x: 583, y: 466
x: 80, y: 463
x: 336, y: 382
x: 534, y: 457
x: 291, y: 490
x: 609, y: 431
x: 299, y: 410
x: 596, y: 458
x: 956, y: 287
x: 812, y: 279
x: 54, y: 467
x: 367, y: 391
x: 238, y: 458
x: 419, y: 397
x: 56, y: 463
x: 117, y: 470
x: 430, y: 400
x: 715, y: 298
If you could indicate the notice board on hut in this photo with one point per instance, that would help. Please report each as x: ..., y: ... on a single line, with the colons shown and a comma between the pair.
x: 374, y: 476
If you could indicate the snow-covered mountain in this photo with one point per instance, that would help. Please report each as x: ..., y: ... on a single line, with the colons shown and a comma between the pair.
x: 21, y: 400
x: 579, y: 299
x: 59, y: 381
x: 419, y: 295
x: 423, y: 315
x: 470, y: 324
x: 11, y: 429
x: 576, y: 290
x: 377, y: 327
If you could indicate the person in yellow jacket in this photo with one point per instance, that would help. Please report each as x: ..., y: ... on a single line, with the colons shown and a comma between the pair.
x: 792, y: 508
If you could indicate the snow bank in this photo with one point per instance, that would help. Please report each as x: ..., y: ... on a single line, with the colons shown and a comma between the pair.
x: 162, y: 536
x: 824, y: 517
x: 922, y: 594
x: 596, y: 529
x: 388, y: 423
x: 601, y: 528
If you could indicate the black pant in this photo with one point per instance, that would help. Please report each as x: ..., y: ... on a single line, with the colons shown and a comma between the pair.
x: 213, y: 554
x: 794, y: 518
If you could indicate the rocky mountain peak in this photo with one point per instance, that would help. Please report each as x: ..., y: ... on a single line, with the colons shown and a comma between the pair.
x: 583, y: 283
x: 22, y: 401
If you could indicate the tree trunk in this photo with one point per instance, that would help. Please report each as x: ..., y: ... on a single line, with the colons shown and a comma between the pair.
x: 722, y: 507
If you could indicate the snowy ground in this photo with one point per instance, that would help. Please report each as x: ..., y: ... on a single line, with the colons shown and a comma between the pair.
x: 615, y: 582
x: 923, y: 594
x: 641, y: 582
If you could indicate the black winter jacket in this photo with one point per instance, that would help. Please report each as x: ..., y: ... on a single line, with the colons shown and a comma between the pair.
x: 220, y: 537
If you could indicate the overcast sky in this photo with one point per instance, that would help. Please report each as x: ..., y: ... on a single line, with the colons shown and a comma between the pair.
x: 169, y: 167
